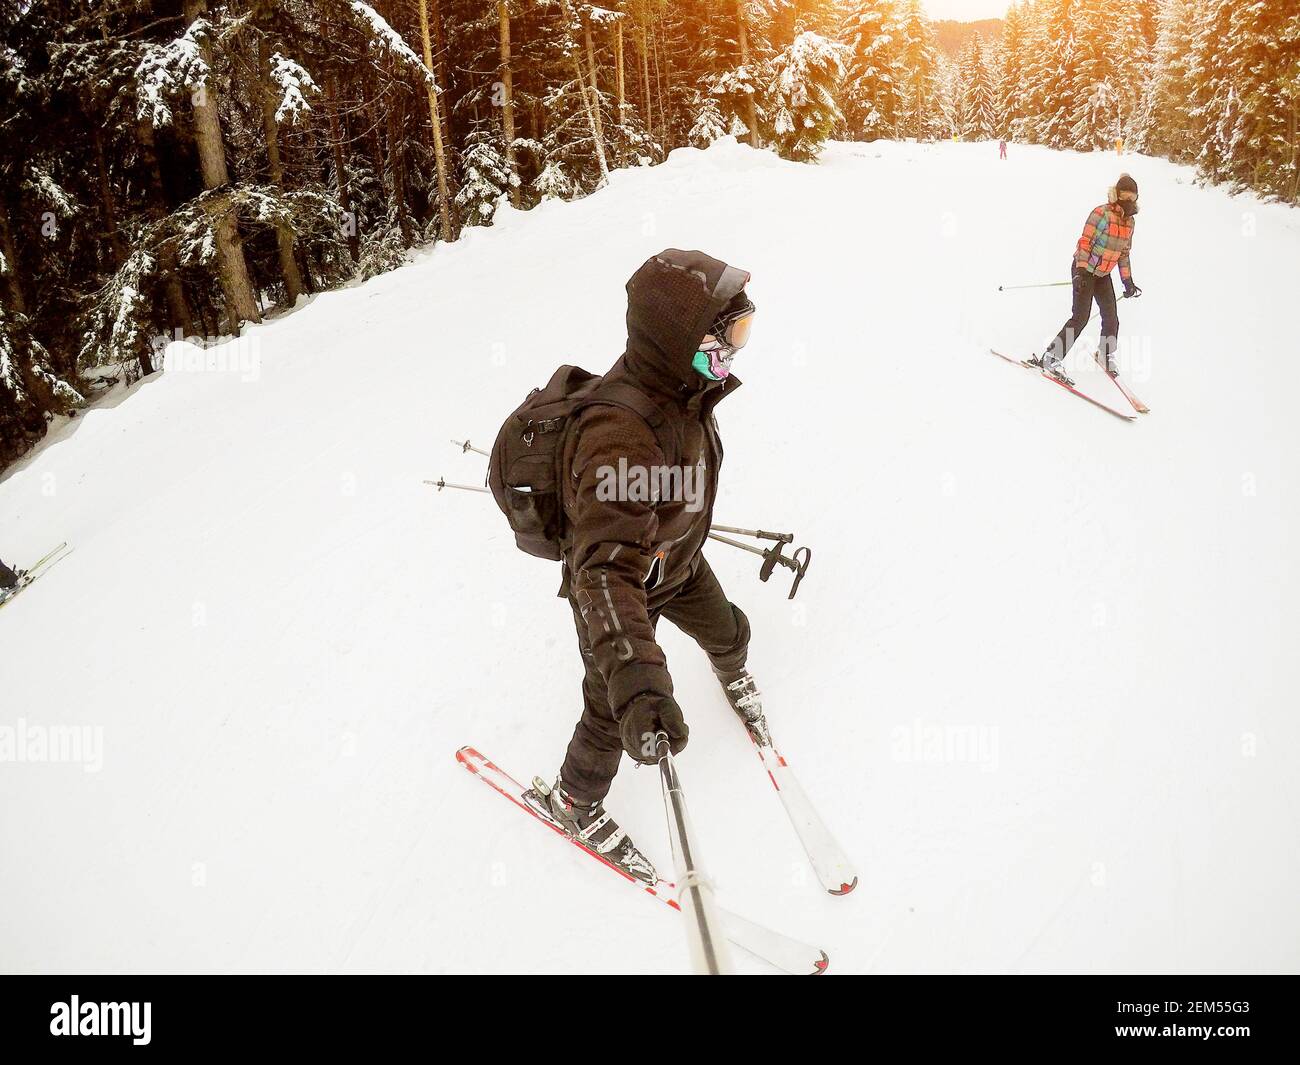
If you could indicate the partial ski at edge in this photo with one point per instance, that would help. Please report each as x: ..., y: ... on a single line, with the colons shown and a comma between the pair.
x: 787, y: 954
x: 1069, y: 388
x: 37, y: 570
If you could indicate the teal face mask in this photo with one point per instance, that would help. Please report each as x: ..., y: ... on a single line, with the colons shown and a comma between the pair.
x: 701, y: 364
x: 714, y: 365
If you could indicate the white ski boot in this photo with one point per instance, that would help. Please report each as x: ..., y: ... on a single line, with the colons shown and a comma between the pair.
x: 591, y: 825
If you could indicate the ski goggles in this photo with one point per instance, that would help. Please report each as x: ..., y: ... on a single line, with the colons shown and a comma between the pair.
x: 731, y: 329
x: 1125, y: 196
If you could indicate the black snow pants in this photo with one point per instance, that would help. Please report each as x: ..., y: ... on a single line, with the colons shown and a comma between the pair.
x: 698, y: 607
x: 1087, y: 288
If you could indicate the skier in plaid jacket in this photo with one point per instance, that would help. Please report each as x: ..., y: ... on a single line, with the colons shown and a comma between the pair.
x: 1104, y: 245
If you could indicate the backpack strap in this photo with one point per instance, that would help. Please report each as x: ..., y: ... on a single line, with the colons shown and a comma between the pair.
x: 622, y: 394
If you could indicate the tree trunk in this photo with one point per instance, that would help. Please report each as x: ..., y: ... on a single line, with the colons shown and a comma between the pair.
x: 508, y: 101
x: 645, y: 82
x: 106, y: 201
x: 13, y: 285
x: 618, y: 70
x: 659, y: 92
x: 444, y: 80
x: 592, y: 107
x: 271, y: 130
x: 340, y: 174
x: 178, y: 307
x: 232, y: 270
x: 751, y: 109
x: 397, y: 157
x: 595, y: 88
x: 439, y: 154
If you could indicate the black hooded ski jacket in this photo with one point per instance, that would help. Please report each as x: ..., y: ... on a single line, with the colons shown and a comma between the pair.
x: 624, y: 549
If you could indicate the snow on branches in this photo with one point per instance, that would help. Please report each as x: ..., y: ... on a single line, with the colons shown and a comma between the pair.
x: 295, y: 85
x: 384, y: 39
x: 806, y: 110
x: 169, y: 70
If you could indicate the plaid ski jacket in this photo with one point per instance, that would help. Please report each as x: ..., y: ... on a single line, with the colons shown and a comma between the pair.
x: 1107, y: 238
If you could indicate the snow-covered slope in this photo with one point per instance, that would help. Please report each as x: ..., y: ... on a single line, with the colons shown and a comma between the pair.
x: 283, y: 636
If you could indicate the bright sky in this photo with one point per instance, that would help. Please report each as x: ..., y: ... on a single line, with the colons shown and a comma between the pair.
x: 966, y: 10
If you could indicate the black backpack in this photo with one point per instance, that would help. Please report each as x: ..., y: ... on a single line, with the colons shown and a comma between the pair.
x: 524, y: 469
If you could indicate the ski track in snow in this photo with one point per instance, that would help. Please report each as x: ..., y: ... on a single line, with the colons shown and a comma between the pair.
x: 285, y: 636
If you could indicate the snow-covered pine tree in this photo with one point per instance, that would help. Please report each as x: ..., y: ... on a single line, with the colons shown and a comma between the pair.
x: 1094, y: 116
x: 1163, y: 123
x: 1012, y: 56
x: 554, y: 184
x: 919, y: 59
x: 976, y: 108
x: 1051, y: 73
x: 950, y: 100
x: 484, y: 177
x: 1248, y: 58
x: 710, y: 124
x: 873, y: 69
x: 805, y: 110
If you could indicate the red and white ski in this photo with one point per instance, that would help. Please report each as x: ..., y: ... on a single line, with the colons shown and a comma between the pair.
x: 786, y: 954
x: 1069, y: 388
x: 825, y: 855
x: 1129, y: 394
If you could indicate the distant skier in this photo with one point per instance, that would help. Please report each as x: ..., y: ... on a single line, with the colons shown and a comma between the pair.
x: 1002, y: 149
x: 630, y: 559
x: 1107, y: 238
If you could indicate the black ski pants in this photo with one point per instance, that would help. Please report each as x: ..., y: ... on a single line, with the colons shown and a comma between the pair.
x: 1088, y: 287
x: 699, y: 607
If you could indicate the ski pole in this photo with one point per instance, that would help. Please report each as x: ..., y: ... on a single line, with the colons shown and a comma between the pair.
x: 465, y: 445
x: 440, y: 484
x: 772, y: 557
x: 1048, y: 284
x: 785, y: 538
x: 710, y: 955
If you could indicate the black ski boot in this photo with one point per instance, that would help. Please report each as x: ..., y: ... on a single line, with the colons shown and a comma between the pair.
x: 591, y: 826
x: 742, y: 693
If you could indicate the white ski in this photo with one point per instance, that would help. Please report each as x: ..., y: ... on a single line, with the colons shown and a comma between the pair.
x: 827, y: 858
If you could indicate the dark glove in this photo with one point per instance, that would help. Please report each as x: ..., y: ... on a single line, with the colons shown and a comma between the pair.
x: 1131, y: 291
x: 645, y: 715
x: 1079, y: 278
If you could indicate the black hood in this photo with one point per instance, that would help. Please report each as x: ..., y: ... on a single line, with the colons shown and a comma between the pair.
x: 672, y: 300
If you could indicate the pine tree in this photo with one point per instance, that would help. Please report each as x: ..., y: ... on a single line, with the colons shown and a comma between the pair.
x: 1011, y: 95
x: 1093, y: 109
x: 806, y: 110
x: 919, y: 59
x: 976, y: 109
x: 485, y: 177
x: 874, y: 74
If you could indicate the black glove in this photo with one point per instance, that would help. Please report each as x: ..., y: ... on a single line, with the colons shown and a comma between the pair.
x: 1079, y: 278
x: 645, y: 715
x: 1131, y: 291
